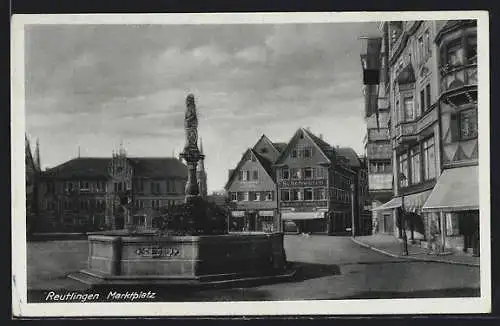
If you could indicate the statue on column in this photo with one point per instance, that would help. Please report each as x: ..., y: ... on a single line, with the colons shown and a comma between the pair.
x: 191, y: 153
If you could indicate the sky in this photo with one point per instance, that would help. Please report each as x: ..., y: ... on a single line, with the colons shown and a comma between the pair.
x: 91, y: 87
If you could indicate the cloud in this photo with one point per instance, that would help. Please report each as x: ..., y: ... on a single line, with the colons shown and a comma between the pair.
x: 97, y: 85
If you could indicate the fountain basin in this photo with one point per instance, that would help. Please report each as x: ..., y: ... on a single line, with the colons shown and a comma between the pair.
x: 118, y: 258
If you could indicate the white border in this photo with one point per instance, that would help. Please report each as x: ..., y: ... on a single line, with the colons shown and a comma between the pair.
x: 325, y: 307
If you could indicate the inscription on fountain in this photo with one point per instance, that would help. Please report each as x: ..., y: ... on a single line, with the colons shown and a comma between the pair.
x: 156, y: 252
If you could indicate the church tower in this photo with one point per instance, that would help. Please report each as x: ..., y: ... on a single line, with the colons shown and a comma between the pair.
x: 202, y: 175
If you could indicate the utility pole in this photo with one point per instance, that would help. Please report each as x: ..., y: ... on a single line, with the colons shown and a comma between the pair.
x: 402, y: 177
x: 353, y: 211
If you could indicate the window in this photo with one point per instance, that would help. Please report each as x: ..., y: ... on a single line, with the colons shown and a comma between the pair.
x: 398, y: 115
x: 415, y: 164
x: 429, y: 159
x: 422, y: 100
x: 296, y: 173
x: 246, y: 175
x: 84, y: 185
x: 468, y: 124
x: 295, y: 193
x: 420, y: 49
x: 285, y: 194
x: 427, y: 45
x: 269, y: 195
x: 257, y: 196
x: 319, y: 194
x: 155, y: 203
x: 308, y: 194
x: 408, y: 107
x: 141, y: 185
x: 452, y: 224
x: 454, y: 53
x: 294, y: 153
x: 307, y: 152
x: 308, y: 173
x: 246, y: 196
x: 255, y: 175
x: 471, y: 49
x: 428, y: 96
x: 285, y: 173
x: 234, y: 196
x: 403, y: 170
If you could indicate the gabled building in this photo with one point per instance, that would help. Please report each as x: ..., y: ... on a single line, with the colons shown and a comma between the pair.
x: 251, y: 189
x: 85, y: 193
x: 314, y: 186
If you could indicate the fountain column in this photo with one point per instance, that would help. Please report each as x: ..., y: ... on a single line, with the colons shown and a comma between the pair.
x: 191, y: 154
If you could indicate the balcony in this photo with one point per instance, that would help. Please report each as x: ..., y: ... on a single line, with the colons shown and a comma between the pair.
x: 379, y: 151
x: 381, y: 134
x: 406, y: 132
x: 453, y: 78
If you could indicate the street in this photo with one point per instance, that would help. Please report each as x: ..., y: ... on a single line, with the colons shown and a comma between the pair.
x: 327, y: 268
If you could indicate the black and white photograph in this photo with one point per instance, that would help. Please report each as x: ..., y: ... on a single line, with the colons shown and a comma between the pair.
x: 250, y: 164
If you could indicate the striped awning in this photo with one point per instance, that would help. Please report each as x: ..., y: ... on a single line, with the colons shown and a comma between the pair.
x: 457, y: 189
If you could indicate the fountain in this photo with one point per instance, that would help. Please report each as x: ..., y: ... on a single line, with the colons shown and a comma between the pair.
x: 192, y: 247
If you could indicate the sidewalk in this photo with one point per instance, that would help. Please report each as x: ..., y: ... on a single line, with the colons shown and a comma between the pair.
x: 391, y: 246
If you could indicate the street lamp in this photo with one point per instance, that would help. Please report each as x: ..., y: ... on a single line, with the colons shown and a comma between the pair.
x: 402, y: 177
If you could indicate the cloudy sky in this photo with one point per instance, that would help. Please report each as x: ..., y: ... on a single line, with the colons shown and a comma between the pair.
x: 94, y: 86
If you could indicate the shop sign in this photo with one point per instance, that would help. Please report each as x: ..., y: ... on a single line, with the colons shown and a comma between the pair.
x: 302, y: 183
x: 312, y: 203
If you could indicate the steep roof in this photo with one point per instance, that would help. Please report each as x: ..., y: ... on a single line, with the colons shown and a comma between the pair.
x: 97, y: 167
x: 326, y: 148
x: 264, y: 162
x: 280, y: 146
x: 350, y: 155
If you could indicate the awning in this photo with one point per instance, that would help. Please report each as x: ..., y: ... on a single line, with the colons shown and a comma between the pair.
x: 457, y: 189
x: 302, y: 215
x: 238, y: 213
x: 412, y: 203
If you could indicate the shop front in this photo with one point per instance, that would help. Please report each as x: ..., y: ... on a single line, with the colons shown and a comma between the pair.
x: 253, y: 220
x: 305, y: 222
x: 454, y: 203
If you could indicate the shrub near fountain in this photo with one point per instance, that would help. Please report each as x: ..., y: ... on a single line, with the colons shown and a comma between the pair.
x: 192, y: 246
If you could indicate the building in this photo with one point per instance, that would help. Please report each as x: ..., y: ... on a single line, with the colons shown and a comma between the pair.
x: 32, y: 170
x: 377, y: 142
x: 433, y: 129
x: 86, y: 193
x: 251, y: 188
x: 314, y: 186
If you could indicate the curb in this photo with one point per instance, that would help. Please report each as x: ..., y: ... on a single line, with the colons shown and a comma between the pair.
x: 362, y: 244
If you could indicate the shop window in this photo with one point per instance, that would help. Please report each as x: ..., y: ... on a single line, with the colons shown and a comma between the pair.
x: 403, y: 169
x: 452, y: 224
x: 429, y: 159
x: 415, y: 165
x: 139, y: 220
x: 285, y: 195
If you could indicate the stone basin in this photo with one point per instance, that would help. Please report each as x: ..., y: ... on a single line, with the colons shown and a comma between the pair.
x: 121, y: 258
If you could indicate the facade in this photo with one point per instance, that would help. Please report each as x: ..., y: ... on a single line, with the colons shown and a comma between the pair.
x: 84, y: 193
x: 433, y: 130
x: 251, y: 189
x: 32, y: 168
x: 314, y: 186
x: 377, y: 142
